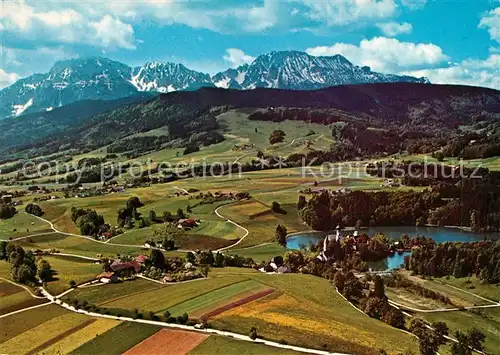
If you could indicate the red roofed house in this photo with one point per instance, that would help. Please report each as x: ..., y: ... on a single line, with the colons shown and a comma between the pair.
x: 128, y: 265
x: 187, y: 223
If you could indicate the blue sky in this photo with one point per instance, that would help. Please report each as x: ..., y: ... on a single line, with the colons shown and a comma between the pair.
x: 447, y: 41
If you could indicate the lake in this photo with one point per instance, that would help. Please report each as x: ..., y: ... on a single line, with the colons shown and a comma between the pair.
x: 439, y: 234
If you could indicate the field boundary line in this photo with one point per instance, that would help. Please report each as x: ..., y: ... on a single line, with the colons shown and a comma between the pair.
x: 171, y: 283
x: 60, y: 336
x: 442, y: 309
x: 470, y: 293
x: 26, y: 309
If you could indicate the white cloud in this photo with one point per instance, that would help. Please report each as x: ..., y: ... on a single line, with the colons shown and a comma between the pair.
x: 385, y: 54
x: 414, y: 4
x: 7, y: 78
x: 392, y: 28
x: 468, y: 72
x: 237, y: 57
x: 339, y: 13
x: 39, y: 22
x: 111, y: 31
x: 491, y: 21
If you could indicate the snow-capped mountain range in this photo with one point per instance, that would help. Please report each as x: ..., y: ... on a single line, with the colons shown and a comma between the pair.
x: 102, y: 78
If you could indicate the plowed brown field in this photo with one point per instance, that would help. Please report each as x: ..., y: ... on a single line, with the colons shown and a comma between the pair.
x: 168, y: 342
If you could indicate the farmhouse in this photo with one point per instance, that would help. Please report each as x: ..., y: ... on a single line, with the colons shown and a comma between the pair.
x: 108, y: 277
x: 187, y: 224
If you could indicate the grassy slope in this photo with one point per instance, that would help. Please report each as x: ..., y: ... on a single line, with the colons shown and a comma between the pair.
x: 23, y: 223
x: 260, y: 253
x: 301, y: 317
x: 237, y: 125
x: 486, y: 320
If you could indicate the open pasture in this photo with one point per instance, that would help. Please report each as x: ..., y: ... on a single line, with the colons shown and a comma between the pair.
x: 221, y: 229
x: 457, y: 296
x: 66, y: 270
x: 473, y: 285
x: 236, y: 123
x: 77, y: 245
x: 262, y: 226
x: 22, y: 224
x: 411, y: 299
x: 260, y: 253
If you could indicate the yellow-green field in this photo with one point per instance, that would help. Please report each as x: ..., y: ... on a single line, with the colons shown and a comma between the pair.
x: 216, y: 345
x: 67, y: 269
x: 76, y: 245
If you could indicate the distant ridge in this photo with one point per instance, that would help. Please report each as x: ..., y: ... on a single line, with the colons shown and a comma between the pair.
x: 100, y: 78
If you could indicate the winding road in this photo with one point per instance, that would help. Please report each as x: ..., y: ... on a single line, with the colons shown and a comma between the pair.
x: 55, y: 230
x: 236, y: 224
